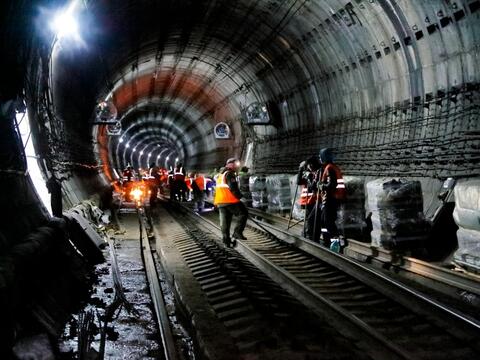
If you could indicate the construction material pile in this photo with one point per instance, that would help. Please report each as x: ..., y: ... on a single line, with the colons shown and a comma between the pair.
x: 397, y: 214
x: 258, y: 189
x: 467, y: 217
x: 295, y: 192
x: 351, y: 211
x: 278, y: 193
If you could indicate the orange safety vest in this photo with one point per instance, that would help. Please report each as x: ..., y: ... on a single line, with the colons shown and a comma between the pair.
x: 189, y: 181
x: 201, y: 183
x: 223, y: 194
x: 307, y: 198
x: 340, y: 191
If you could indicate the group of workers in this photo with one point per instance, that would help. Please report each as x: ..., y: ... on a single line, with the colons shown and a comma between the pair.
x: 193, y: 187
x: 323, y: 189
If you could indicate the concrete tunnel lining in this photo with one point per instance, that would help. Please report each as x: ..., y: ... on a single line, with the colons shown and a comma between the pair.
x: 392, y: 86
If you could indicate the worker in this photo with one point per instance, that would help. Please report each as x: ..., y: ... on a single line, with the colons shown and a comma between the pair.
x: 188, y: 183
x: 308, y: 175
x: 163, y: 180
x: 154, y: 182
x: 179, y: 183
x: 199, y: 187
x: 128, y: 173
x: 227, y: 199
x: 128, y: 177
x: 332, y: 187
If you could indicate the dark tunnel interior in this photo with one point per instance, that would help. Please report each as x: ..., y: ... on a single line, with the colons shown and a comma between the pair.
x: 391, y: 85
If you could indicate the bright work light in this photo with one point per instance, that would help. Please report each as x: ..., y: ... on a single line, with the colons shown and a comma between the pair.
x: 65, y: 25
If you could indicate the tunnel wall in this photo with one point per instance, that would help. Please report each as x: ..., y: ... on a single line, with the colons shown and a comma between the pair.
x: 392, y: 86
x: 437, y: 139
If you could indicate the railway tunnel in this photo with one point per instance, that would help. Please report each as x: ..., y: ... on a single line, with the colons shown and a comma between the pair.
x: 392, y: 86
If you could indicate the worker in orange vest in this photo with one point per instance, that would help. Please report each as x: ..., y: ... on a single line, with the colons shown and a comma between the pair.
x: 308, y: 175
x: 227, y: 199
x: 332, y: 187
x: 199, y: 187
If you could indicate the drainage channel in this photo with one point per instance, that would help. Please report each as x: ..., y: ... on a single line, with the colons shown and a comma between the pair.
x: 261, y: 318
x: 408, y: 325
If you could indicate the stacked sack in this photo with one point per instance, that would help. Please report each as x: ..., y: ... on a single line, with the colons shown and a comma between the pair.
x: 258, y: 189
x: 467, y: 217
x: 397, y: 214
x: 244, y: 186
x: 278, y: 193
x: 351, y: 212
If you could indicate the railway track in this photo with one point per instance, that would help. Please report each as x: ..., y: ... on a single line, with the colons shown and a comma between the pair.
x: 395, y: 321
x: 158, y: 303
x: 455, y: 284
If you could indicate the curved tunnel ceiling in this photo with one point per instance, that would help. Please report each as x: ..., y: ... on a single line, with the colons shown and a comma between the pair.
x: 336, y: 71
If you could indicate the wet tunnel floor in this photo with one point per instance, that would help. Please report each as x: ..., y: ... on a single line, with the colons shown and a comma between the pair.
x: 128, y: 335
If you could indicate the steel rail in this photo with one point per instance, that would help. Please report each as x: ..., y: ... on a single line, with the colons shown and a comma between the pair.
x: 415, y: 266
x: 352, y: 268
x: 306, y: 295
x: 169, y: 347
x: 468, y: 329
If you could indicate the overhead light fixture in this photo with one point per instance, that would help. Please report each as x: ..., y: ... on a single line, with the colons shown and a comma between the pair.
x: 141, y: 152
x: 176, y: 159
x: 149, y: 154
x: 120, y: 140
x: 64, y: 24
x: 128, y: 145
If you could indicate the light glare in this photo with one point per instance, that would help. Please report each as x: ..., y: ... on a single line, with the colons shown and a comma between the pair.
x: 65, y: 25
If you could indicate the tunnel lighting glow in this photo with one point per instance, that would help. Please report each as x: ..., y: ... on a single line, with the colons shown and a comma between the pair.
x: 149, y: 154
x: 128, y: 145
x: 168, y: 157
x: 136, y: 194
x: 32, y: 163
x: 120, y: 140
x: 158, y: 157
x: 176, y: 159
x: 141, y: 152
x: 64, y: 24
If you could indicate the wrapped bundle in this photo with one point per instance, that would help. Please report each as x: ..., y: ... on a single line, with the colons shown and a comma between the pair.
x: 278, y: 193
x: 397, y: 214
x: 259, y: 200
x: 468, y: 253
x: 351, y: 212
x: 257, y: 183
x: 467, y: 216
x: 298, y: 213
x: 244, y: 186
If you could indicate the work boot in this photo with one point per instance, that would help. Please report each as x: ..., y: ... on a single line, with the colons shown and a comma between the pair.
x: 233, y: 243
x: 227, y: 241
x: 239, y: 236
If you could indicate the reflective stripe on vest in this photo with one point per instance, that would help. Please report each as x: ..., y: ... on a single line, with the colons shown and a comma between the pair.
x: 223, y: 194
x: 307, y: 198
x: 340, y: 190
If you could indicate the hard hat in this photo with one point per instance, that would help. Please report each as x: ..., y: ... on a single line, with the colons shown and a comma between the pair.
x: 231, y: 161
x: 326, y: 155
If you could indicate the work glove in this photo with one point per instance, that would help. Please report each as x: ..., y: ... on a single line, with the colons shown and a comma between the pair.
x: 302, y: 165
